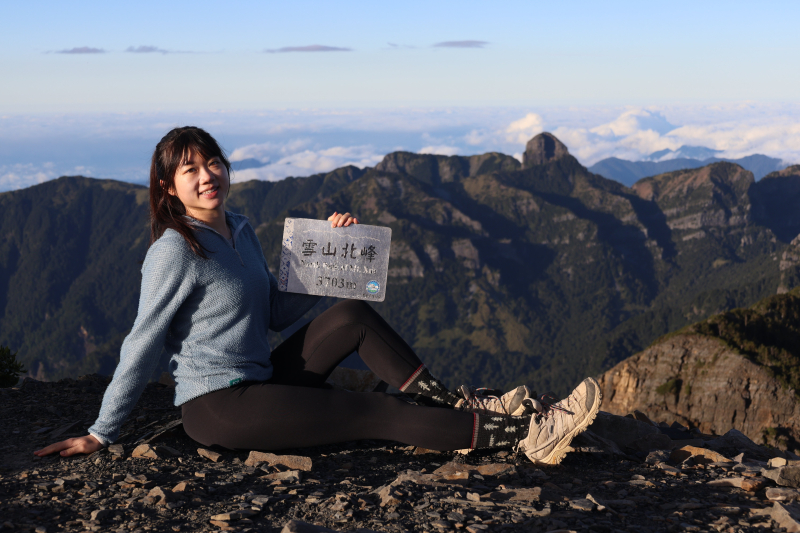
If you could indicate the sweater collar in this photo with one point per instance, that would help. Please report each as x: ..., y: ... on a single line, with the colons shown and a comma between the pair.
x: 234, y: 220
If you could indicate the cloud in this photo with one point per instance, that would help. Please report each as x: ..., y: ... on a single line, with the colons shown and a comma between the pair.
x: 440, y: 150
x: 522, y: 130
x: 461, y: 44
x: 637, y: 133
x: 264, y: 152
x: 634, y: 121
x: 309, y: 48
x: 82, y: 50
x: 303, y: 162
x: 22, y: 175
x: 146, y: 50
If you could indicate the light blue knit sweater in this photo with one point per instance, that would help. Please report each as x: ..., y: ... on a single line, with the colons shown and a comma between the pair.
x: 210, y: 315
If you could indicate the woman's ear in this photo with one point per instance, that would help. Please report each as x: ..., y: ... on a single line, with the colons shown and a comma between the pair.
x: 171, y: 192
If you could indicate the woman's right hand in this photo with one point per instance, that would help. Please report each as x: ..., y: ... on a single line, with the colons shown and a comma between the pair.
x: 87, y: 444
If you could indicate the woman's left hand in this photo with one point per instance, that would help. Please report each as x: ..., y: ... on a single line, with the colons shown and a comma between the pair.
x: 338, y: 220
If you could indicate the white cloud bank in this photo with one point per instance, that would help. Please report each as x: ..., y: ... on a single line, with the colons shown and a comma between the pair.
x: 635, y: 133
x: 300, y: 143
x: 639, y: 132
x: 522, y: 130
x: 441, y: 149
x: 293, y: 159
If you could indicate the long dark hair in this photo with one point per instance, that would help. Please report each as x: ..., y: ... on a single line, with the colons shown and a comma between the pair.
x: 166, y: 210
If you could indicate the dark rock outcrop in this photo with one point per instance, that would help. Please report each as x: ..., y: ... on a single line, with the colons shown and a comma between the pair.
x: 542, y: 149
x: 790, y: 267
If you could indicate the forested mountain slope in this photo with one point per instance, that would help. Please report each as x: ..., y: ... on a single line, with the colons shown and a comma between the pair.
x: 500, y: 273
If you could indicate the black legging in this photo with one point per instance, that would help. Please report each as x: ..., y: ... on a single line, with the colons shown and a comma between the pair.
x: 291, y: 410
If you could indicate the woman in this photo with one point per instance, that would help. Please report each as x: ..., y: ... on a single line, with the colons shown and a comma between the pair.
x: 208, y: 298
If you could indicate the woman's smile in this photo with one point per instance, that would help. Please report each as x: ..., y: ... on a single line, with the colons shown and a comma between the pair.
x: 210, y: 193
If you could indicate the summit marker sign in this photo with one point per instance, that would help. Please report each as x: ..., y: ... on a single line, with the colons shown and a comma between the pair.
x: 350, y: 262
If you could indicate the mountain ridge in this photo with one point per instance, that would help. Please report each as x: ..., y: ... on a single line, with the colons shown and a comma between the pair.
x: 629, y: 172
x: 499, y: 274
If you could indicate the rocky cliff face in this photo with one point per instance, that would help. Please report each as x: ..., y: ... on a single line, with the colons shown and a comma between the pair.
x: 734, y: 370
x: 542, y: 149
x: 702, y: 383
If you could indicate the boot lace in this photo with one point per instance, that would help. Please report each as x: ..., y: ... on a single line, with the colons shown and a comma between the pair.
x: 545, y: 405
x: 481, y: 398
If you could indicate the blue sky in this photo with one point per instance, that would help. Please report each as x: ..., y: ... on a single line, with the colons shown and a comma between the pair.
x: 89, y: 87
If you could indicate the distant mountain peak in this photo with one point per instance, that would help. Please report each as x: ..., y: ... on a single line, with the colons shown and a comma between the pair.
x: 542, y: 149
x: 689, y: 152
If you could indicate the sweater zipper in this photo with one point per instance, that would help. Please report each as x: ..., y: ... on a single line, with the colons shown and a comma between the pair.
x: 233, y: 237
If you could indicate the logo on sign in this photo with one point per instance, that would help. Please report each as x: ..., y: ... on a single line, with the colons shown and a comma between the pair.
x: 373, y: 287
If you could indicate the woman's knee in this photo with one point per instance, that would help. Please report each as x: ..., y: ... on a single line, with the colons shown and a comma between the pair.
x: 349, y: 311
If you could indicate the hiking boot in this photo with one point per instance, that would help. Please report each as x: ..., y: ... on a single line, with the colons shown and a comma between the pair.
x: 485, y: 400
x: 554, y: 425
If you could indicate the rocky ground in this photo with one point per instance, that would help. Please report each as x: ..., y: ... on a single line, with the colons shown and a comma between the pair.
x: 626, y: 474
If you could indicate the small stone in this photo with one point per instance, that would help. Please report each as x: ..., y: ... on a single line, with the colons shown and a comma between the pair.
x: 234, y: 515
x: 116, y: 449
x: 473, y: 496
x: 582, y: 504
x: 389, y: 496
x: 140, y: 479
x: 477, y: 528
x: 779, y: 494
x: 298, y: 526
x: 516, y: 494
x: 690, y: 506
x: 726, y: 482
x: 261, y: 501
x: 600, y: 506
x: 700, y: 455
x: 208, y: 454
x: 424, y: 451
x: 786, y: 476
x: 183, y: 486
x: 728, y: 509
x: 290, y: 476
x: 158, y: 496
x: 657, y: 456
x: 100, y: 514
x: 671, y: 470
x: 776, y: 462
x: 456, y: 476
x: 753, y: 484
x: 294, y: 462
x: 146, y: 451
x: 496, y: 469
x: 441, y: 524
x: 786, y: 515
